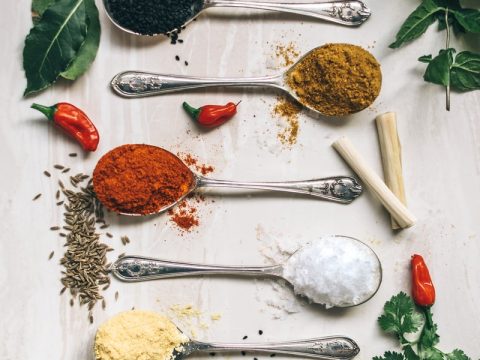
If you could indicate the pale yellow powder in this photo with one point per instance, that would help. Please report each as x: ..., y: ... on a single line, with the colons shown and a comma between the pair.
x: 215, y: 316
x: 185, y: 311
x: 137, y: 335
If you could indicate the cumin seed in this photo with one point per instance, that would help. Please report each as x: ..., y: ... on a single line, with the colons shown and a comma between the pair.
x: 72, y: 154
x: 36, y: 197
x: 59, y: 167
x: 55, y: 228
x: 47, y: 174
x: 116, y: 295
x: 51, y: 255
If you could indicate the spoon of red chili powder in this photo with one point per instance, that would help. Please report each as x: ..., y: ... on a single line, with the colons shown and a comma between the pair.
x: 138, y: 179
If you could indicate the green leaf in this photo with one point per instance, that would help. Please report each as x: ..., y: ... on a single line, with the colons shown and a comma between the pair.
x: 53, y: 43
x: 425, y: 58
x: 429, y: 337
x: 88, y: 51
x: 39, y: 7
x: 390, y: 355
x: 469, y: 19
x: 432, y: 354
x: 417, y: 23
x: 457, y: 354
x: 438, y: 70
x: 399, y: 315
x: 409, y: 354
x: 465, y: 72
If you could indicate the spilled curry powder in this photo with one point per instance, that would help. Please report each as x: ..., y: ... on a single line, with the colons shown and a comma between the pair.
x: 336, y: 79
x: 140, y: 179
x: 288, y: 111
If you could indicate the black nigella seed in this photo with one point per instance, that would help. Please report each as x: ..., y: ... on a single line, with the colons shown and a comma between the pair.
x: 245, y: 337
x: 212, y: 354
x: 177, y: 57
x: 186, y: 63
x: 244, y: 353
x: 151, y: 17
x: 180, y: 41
x: 272, y: 355
x: 260, y: 332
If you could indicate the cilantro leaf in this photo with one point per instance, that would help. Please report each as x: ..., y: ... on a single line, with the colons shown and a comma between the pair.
x: 399, y: 315
x: 417, y: 23
x: 390, y: 355
x: 409, y: 354
x: 432, y: 354
x: 457, y: 354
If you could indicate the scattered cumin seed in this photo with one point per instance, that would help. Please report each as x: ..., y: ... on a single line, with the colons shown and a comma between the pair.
x: 59, y: 167
x: 71, y: 302
x: 57, y: 195
x: 51, y: 255
x: 104, y: 226
x: 55, y: 228
x: 104, y: 304
x: 60, y: 203
x: 90, y: 317
x: 60, y: 183
x: 121, y: 255
x: 116, y: 295
x: 63, y: 290
x: 65, y: 170
x: 109, y: 235
x: 72, y: 154
x: 47, y: 174
x: 36, y: 197
x: 62, y: 234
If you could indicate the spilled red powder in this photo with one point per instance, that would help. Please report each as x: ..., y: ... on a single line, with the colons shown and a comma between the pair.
x: 192, y: 162
x: 184, y: 216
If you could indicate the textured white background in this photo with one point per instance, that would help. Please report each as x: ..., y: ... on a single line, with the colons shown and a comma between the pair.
x: 441, y: 154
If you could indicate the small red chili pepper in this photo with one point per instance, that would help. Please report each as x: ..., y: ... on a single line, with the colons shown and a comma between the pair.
x: 211, y: 116
x: 74, y: 121
x: 423, y: 290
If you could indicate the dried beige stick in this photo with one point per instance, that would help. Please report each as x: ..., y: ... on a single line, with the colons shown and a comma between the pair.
x: 395, y: 207
x: 391, y: 152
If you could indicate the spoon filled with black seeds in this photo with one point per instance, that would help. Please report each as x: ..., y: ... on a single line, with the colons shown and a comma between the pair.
x: 154, y: 17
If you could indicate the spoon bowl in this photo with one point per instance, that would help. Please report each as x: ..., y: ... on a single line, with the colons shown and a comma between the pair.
x: 341, y: 189
x: 138, y: 268
x: 348, y: 13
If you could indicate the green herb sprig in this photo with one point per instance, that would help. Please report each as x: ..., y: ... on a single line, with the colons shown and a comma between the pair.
x: 454, y: 70
x: 62, y: 43
x: 406, y: 321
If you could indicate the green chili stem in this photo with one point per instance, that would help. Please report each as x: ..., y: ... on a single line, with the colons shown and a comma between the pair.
x: 48, y: 111
x: 193, y: 112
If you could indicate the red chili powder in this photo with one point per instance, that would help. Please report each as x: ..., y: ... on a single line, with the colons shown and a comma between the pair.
x: 184, y: 216
x: 191, y: 161
x: 140, y: 179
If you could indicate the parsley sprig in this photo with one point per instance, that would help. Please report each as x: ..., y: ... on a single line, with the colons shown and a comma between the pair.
x: 415, y: 330
x: 454, y: 70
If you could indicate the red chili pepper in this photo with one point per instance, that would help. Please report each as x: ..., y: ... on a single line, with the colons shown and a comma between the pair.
x: 423, y: 290
x: 211, y: 116
x: 74, y: 121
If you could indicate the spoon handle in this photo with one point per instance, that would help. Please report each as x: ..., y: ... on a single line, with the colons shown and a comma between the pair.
x: 137, y: 268
x: 350, y: 13
x: 334, y: 347
x: 138, y: 84
x: 342, y: 189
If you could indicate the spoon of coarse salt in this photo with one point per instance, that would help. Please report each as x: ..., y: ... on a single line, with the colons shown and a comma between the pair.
x: 336, y: 271
x: 138, y: 179
x: 142, y: 17
x: 138, y: 334
x: 351, y: 84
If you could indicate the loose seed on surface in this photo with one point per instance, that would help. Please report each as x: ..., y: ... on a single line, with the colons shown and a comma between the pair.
x: 59, y: 167
x: 36, y: 197
x: 55, y: 228
x: 47, y: 174
x: 109, y: 235
x: 65, y: 170
x: 51, y: 255
x: 116, y: 295
x: 72, y: 154
x: 245, y: 337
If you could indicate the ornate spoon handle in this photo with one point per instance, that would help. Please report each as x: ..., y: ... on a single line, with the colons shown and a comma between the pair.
x: 138, y: 268
x: 342, y: 189
x: 137, y: 84
x: 350, y: 13
x: 335, y: 347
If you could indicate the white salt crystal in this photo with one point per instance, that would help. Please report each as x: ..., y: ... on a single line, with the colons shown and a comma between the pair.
x: 334, y: 271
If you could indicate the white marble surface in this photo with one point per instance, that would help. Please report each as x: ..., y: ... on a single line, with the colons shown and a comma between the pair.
x: 441, y: 153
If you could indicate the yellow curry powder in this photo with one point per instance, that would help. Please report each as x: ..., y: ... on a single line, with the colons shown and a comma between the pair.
x: 336, y: 79
x: 139, y: 335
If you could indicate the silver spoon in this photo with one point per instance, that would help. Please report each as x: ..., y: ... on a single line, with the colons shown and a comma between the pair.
x: 329, y: 348
x: 349, y: 13
x: 138, y: 268
x: 341, y: 189
x: 134, y: 84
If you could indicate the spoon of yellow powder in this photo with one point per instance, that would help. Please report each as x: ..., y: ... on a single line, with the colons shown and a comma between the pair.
x: 146, y: 335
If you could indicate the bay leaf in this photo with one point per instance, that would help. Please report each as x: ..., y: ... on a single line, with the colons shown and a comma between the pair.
x: 53, y: 43
x: 417, y: 23
x: 87, y: 53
